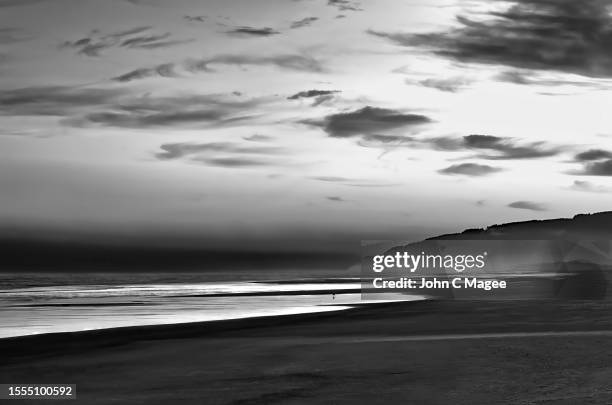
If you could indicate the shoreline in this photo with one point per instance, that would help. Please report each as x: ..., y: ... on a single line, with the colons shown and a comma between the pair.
x: 425, y: 352
x: 74, y: 341
x: 15, y: 346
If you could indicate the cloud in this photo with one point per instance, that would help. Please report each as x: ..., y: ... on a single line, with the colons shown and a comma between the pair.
x: 85, y: 106
x: 352, y: 182
x: 557, y: 35
x: 497, y: 148
x: 163, y: 70
x: 485, y: 146
x: 523, y: 77
x: 54, y: 100
x: 304, y: 22
x: 596, y: 162
x: 287, y: 62
x: 253, y: 31
x: 527, y: 205
x: 180, y: 150
x: 224, y: 154
x: 94, y: 44
x: 333, y: 179
x: 236, y: 162
x: 153, y: 119
x: 258, y: 138
x: 600, y: 168
x: 152, y: 42
x: 451, y: 85
x: 586, y: 186
x: 195, y: 18
x: 318, y: 96
x: 146, y: 112
x: 379, y: 139
x: 311, y: 93
x: 368, y: 120
x: 470, y: 169
x: 593, y: 154
x: 345, y: 5
x: 128, y: 32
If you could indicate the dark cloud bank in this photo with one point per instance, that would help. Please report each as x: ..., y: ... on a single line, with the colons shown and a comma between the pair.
x: 596, y: 162
x: 558, y: 35
x: 72, y: 254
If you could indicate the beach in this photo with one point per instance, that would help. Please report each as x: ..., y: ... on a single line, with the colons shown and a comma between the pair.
x: 427, y: 352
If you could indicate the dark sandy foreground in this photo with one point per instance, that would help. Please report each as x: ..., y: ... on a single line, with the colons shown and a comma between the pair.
x: 367, y: 355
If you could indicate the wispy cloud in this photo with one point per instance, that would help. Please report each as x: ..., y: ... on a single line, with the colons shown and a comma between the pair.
x: 311, y: 93
x: 345, y: 5
x: 55, y: 100
x: 246, y: 31
x: 470, y: 169
x: 191, y: 66
x: 85, y: 106
x: 304, y: 22
x: 181, y: 150
x: 496, y: 148
x: 258, y: 138
x: 527, y: 205
x: 195, y: 18
x: 175, y: 111
x: 586, y: 186
x: 94, y: 44
x: 286, y: 61
x: 531, y: 77
x: 153, y: 41
x: 163, y: 70
x: 318, y: 97
x: 353, y: 182
x: 451, y: 85
x: 223, y: 154
x: 507, y: 148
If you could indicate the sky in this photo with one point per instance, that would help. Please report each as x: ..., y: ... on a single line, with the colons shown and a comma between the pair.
x: 300, y: 124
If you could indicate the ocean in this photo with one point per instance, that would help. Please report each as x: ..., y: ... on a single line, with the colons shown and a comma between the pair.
x: 48, y: 303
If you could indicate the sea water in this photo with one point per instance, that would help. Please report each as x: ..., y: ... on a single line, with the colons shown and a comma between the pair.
x: 47, y: 303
